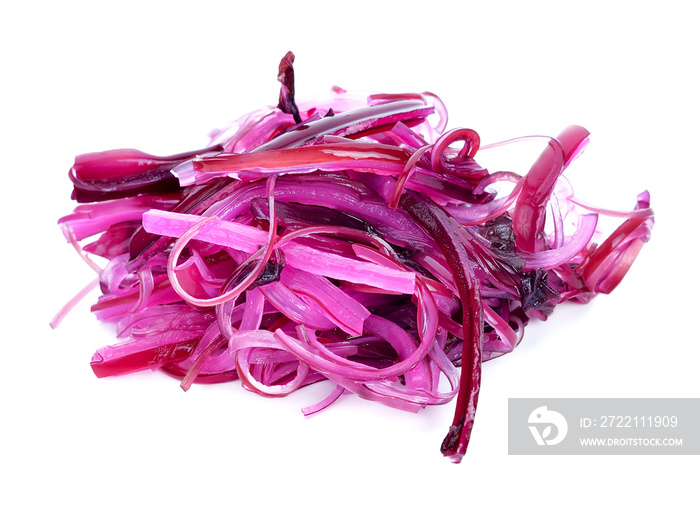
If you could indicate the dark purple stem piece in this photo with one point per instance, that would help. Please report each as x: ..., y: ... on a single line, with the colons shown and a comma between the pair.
x: 436, y: 222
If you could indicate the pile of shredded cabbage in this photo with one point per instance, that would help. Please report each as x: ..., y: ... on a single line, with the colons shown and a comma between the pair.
x: 348, y: 239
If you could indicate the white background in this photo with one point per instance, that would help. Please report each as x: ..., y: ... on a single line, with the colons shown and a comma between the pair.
x: 80, y: 77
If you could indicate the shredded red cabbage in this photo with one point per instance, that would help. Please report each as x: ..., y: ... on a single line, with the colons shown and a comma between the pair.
x: 343, y: 239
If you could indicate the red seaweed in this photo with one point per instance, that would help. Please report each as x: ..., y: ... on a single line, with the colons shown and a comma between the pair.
x: 339, y: 239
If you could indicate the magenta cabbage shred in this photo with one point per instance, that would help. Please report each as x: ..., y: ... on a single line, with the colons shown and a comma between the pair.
x: 348, y: 238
